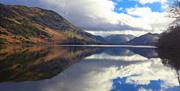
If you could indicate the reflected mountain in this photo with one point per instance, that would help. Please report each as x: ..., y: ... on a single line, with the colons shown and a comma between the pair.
x: 38, y: 62
x: 145, y: 52
x: 118, y: 51
x: 130, y: 52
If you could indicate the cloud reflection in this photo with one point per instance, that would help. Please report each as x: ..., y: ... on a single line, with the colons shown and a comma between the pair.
x: 93, y: 75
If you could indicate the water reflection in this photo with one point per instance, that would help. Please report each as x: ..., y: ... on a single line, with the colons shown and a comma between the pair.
x: 38, y: 62
x: 171, y: 58
x: 120, y: 83
x: 85, y: 69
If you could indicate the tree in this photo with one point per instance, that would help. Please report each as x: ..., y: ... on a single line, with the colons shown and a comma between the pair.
x: 175, y: 9
x: 169, y: 42
x: 171, y: 38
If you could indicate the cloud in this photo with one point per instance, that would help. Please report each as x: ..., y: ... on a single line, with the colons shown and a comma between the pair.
x: 164, y: 3
x: 100, y: 15
x: 151, y: 1
x: 158, y: 21
x: 142, y: 12
x: 126, y: 32
x: 96, y: 15
x: 104, y: 56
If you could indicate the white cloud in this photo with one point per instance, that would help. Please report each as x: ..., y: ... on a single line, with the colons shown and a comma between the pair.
x: 112, y: 32
x: 95, y: 15
x: 142, y: 12
x: 99, y: 15
x: 104, y: 56
x: 151, y: 1
x: 158, y: 21
x: 164, y: 3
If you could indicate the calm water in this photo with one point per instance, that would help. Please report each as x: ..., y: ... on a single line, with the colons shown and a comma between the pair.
x: 43, y: 68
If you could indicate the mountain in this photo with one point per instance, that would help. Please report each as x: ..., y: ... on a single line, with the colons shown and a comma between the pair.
x: 147, y: 39
x: 101, y: 39
x: 21, y: 24
x: 119, y: 38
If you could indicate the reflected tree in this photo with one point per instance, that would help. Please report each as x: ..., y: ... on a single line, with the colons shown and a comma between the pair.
x: 169, y: 45
x: 171, y: 58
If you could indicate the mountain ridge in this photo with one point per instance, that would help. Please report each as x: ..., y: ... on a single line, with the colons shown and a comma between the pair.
x: 119, y: 38
x: 146, y: 39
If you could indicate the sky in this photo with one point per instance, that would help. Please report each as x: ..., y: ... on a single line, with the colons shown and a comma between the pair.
x: 105, y: 17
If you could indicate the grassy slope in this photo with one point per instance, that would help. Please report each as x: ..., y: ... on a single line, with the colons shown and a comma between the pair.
x: 21, y: 24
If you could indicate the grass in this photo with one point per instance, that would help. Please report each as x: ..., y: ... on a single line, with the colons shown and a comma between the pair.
x: 25, y: 29
x: 3, y: 41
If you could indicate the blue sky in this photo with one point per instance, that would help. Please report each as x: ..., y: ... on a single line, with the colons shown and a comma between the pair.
x: 124, y: 4
x: 121, y: 6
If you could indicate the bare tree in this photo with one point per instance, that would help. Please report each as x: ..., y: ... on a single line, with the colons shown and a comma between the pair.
x: 175, y: 9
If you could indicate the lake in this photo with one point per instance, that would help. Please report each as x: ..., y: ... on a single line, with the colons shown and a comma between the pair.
x: 88, y: 68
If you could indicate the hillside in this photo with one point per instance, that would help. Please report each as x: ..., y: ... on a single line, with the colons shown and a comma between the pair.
x: 146, y: 39
x: 21, y: 24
